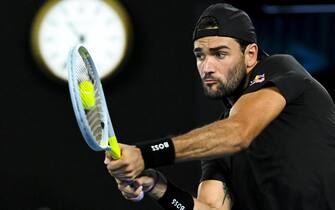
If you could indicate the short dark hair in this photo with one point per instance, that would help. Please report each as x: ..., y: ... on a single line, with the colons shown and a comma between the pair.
x: 211, y: 22
x: 243, y: 44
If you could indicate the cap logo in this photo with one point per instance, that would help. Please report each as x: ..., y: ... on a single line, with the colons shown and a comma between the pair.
x: 212, y: 27
x: 208, y: 28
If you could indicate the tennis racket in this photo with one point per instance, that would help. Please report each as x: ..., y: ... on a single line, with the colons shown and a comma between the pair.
x: 89, y: 104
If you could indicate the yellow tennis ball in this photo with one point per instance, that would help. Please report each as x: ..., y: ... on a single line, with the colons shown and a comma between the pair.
x: 87, y: 94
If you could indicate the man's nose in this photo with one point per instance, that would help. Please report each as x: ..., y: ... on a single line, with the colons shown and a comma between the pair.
x: 207, y: 66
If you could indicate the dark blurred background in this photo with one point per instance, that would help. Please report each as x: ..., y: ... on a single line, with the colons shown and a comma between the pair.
x: 45, y: 163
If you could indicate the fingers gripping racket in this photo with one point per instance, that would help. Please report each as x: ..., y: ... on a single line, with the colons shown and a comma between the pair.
x: 89, y: 104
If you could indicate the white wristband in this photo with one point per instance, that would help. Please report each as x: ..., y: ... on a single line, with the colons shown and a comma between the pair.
x: 138, y: 198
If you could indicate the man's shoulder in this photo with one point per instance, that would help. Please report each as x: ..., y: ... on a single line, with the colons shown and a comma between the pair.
x: 282, y: 71
x: 280, y: 59
x: 281, y: 56
x: 281, y: 63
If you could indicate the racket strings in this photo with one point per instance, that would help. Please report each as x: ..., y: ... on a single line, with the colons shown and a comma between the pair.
x: 95, y: 121
x: 95, y: 116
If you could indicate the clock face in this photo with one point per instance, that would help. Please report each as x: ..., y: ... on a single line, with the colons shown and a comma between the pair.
x: 101, y: 26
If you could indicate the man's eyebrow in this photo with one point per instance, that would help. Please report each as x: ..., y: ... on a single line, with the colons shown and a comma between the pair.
x: 215, y: 49
x: 198, y: 49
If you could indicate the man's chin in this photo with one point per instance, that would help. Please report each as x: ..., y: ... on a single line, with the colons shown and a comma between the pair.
x: 213, y: 94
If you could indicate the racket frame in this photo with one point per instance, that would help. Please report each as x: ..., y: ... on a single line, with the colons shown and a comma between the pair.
x: 77, y: 104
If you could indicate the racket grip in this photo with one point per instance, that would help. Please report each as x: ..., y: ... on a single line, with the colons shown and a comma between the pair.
x: 115, y: 151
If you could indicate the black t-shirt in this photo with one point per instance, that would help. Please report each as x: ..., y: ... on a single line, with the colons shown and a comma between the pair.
x: 291, y: 163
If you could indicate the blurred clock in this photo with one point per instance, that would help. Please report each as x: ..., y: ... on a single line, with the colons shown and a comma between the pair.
x: 102, y: 26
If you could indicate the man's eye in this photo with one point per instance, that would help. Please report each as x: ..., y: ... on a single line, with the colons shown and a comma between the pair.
x: 220, y: 54
x: 199, y: 56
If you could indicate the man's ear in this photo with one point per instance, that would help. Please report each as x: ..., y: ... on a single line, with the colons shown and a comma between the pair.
x: 250, y: 55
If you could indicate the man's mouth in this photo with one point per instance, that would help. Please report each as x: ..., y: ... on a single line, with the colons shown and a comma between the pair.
x: 210, y: 81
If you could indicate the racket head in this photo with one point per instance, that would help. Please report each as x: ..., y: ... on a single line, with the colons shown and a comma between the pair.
x: 92, y: 116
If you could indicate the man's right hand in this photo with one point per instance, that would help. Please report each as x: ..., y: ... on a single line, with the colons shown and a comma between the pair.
x: 129, y: 166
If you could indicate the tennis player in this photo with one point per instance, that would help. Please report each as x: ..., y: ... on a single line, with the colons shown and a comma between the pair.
x: 274, y: 147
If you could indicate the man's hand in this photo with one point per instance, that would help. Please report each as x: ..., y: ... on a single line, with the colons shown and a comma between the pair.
x: 129, y: 166
x: 150, y: 181
x: 144, y: 182
x: 130, y: 192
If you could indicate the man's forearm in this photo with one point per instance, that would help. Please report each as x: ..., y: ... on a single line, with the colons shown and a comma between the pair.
x: 160, y: 189
x: 214, y: 140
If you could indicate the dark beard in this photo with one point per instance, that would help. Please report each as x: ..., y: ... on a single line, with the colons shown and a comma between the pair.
x: 236, y: 77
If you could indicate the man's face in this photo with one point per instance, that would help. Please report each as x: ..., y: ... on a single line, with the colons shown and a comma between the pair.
x: 220, y: 64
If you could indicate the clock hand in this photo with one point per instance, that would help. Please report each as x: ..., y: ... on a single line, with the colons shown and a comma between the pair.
x: 73, y: 29
x: 82, y: 38
x: 65, y: 66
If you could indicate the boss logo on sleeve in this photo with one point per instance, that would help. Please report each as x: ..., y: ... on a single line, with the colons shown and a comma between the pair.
x: 160, y: 146
x: 178, y: 205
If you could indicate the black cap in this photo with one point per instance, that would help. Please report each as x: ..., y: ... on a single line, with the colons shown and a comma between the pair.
x: 229, y: 21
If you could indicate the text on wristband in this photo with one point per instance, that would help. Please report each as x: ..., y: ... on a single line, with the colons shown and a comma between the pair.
x: 177, y: 204
x: 160, y: 146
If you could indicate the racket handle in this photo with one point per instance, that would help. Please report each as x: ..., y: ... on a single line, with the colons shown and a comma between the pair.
x: 115, y: 151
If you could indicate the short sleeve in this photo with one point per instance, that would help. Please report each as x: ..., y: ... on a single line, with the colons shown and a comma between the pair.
x: 281, y: 71
x: 213, y: 170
